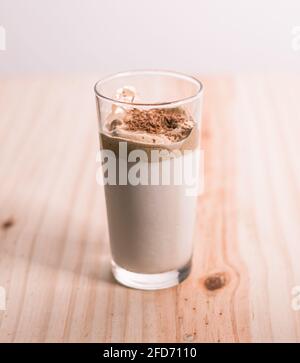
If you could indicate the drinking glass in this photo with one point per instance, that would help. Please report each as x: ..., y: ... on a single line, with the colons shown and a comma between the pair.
x: 151, y: 221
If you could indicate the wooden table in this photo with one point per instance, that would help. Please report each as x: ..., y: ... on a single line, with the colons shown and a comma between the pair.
x: 54, y: 253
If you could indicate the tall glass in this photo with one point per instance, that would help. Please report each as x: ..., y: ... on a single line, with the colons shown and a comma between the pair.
x: 149, y: 127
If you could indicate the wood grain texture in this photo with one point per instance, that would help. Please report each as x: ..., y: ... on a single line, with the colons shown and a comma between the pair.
x: 54, y: 253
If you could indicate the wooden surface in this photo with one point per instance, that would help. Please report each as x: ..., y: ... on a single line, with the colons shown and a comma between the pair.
x: 54, y: 254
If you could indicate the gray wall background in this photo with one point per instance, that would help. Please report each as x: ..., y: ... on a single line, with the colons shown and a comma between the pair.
x: 110, y: 35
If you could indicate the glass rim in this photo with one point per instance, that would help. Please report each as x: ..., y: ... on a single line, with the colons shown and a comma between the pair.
x: 148, y: 71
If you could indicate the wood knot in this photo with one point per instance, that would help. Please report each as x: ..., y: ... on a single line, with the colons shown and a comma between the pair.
x: 215, y: 281
x: 7, y: 223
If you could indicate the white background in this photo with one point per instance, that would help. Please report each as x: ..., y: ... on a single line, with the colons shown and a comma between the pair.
x: 210, y: 36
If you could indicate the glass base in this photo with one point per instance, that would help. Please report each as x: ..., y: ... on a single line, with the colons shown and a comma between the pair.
x: 150, y: 281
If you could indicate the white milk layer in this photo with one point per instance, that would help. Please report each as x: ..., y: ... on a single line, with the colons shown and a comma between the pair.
x: 151, y: 226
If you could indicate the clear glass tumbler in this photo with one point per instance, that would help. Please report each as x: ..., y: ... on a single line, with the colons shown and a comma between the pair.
x: 149, y: 127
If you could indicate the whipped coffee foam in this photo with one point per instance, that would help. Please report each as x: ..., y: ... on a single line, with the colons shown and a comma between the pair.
x: 154, y: 126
